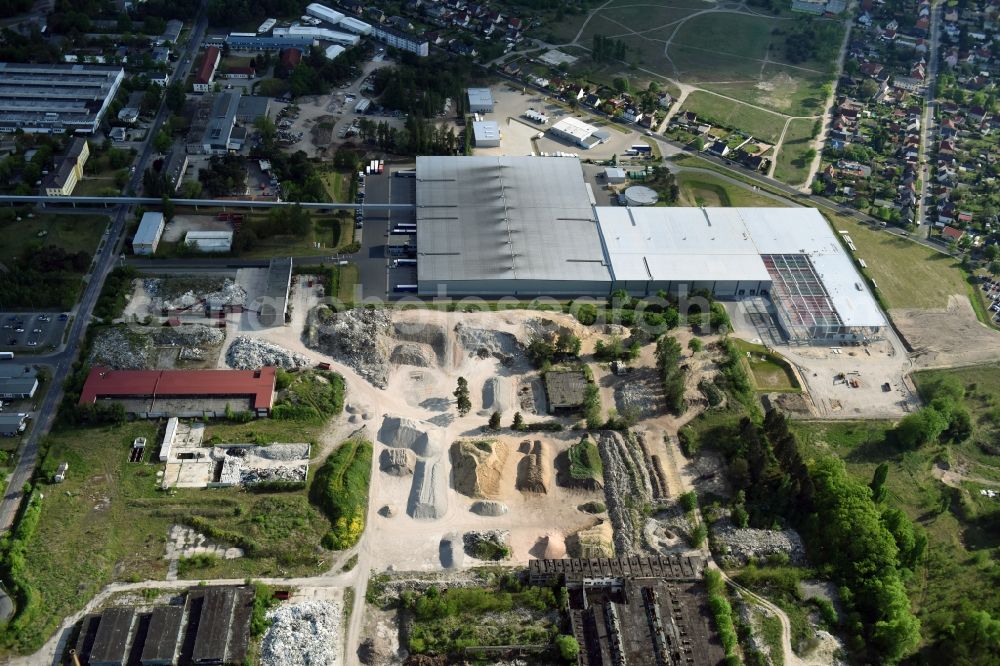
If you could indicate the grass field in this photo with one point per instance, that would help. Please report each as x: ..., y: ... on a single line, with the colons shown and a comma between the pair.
x: 72, y: 233
x: 793, y: 165
x: 720, y: 111
x: 349, y: 276
x: 338, y: 185
x: 703, y: 189
x: 769, y: 371
x: 909, y: 275
x: 794, y: 92
x: 109, y: 521
x: 960, y: 561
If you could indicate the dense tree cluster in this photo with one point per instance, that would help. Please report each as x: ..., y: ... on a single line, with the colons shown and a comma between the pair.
x: 44, y: 277
x: 668, y: 361
x: 224, y: 175
x: 316, y: 74
x: 945, y: 418
x: 418, y: 137
x: 812, y: 40
x: 607, y: 48
x: 421, y: 87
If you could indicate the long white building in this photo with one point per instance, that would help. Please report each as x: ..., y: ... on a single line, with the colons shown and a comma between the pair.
x: 56, y: 98
x: 525, y: 227
x: 324, y: 13
x: 318, y: 34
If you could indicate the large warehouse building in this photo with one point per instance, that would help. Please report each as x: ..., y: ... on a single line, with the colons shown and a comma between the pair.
x: 56, y: 98
x: 527, y: 227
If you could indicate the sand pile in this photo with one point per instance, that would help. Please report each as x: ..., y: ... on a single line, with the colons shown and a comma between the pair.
x: 411, y: 353
x: 421, y: 438
x: 498, y: 396
x: 356, y: 338
x: 429, y: 492
x: 489, y: 508
x: 398, y: 462
x: 477, y: 467
x: 550, y: 547
x: 535, y: 469
x: 431, y: 335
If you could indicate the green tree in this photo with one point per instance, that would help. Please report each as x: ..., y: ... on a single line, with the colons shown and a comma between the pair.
x: 494, y: 423
x: 878, y: 482
x: 176, y: 97
x: 162, y: 142
x: 920, y: 428
x: 569, y: 648
x: 168, y: 208
x: 462, y: 396
x: 518, y: 423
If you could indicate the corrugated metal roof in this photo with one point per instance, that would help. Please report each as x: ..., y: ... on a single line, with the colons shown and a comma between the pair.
x: 162, y: 636
x: 257, y: 384
x: 505, y: 218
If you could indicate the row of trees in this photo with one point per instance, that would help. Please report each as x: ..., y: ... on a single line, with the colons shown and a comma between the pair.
x: 418, y: 137
x: 607, y: 48
x: 668, y: 361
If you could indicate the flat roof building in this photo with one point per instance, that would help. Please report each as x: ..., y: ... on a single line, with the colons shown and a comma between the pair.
x: 576, y: 132
x: 486, y: 133
x: 480, y: 100
x: 175, y: 166
x: 318, y: 34
x: 257, y: 43
x: 403, y: 41
x: 506, y: 226
x: 213, y: 122
x: 209, y: 241
x: 12, y: 424
x: 355, y: 25
x: 17, y: 381
x: 223, y: 624
x: 171, y: 33
x: 56, y: 98
x: 324, y: 13
x: 111, y: 643
x: 156, y: 393
x: 147, y: 237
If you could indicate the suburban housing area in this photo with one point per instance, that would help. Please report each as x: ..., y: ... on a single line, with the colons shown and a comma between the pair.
x: 502, y: 332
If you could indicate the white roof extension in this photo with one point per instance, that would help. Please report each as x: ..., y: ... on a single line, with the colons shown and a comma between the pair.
x: 575, y: 128
x: 679, y: 245
x: 726, y: 244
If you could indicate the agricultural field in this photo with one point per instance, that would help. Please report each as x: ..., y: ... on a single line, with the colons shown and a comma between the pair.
x: 909, y: 275
x: 796, y: 152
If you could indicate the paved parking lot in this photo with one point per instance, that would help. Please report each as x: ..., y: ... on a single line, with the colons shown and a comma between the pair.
x: 31, y: 331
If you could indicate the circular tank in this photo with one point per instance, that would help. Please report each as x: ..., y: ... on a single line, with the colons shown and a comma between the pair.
x: 640, y: 195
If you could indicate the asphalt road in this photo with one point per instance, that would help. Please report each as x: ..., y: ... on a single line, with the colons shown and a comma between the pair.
x: 61, y: 362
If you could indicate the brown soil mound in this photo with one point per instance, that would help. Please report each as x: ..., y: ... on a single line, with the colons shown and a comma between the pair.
x: 477, y: 467
x: 534, y: 470
x: 594, y: 541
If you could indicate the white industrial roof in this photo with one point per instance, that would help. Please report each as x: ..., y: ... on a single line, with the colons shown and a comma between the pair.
x: 149, y: 230
x: 726, y: 244
x: 574, y: 127
x: 806, y: 231
x: 678, y: 245
x: 486, y: 130
x: 480, y: 97
x: 506, y: 218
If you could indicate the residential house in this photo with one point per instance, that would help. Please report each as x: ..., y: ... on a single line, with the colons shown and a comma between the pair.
x: 61, y: 181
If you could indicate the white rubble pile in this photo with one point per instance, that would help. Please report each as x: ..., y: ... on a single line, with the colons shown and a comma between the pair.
x: 302, y: 634
x: 133, y: 347
x: 744, y: 543
x: 356, y: 338
x: 483, y: 342
x: 247, y: 353
x: 625, y: 476
x: 639, y: 396
x: 229, y: 293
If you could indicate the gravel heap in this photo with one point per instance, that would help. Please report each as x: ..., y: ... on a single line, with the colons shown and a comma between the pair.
x: 397, y: 462
x: 252, y: 353
x: 489, y: 508
x: 625, y: 476
x: 743, y: 543
x: 356, y: 338
x: 483, y: 342
x: 412, y: 353
x: 228, y: 293
x: 134, y: 347
x: 303, y: 634
x: 638, y: 395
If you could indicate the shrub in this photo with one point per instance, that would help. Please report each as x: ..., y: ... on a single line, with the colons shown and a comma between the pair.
x: 689, y: 501
x: 569, y: 647
x: 340, y: 489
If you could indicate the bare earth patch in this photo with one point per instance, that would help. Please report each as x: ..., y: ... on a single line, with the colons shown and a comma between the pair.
x: 947, y: 337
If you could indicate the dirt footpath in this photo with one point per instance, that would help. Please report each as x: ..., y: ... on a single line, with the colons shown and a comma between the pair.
x: 947, y: 337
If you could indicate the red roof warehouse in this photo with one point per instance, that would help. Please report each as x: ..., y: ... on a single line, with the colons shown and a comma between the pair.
x: 255, y: 386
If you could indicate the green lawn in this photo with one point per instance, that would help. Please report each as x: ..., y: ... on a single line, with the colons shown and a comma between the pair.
x: 721, y: 111
x: 703, y: 189
x: 962, y: 546
x: 73, y: 233
x: 332, y: 230
x: 908, y: 275
x: 97, y: 186
x: 348, y: 280
x: 792, y: 162
x: 770, y: 372
x: 338, y: 185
